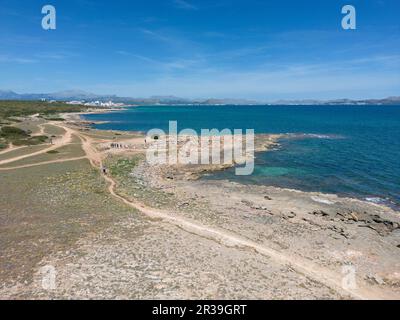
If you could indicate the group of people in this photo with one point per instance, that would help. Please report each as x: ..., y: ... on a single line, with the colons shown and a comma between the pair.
x: 117, y: 145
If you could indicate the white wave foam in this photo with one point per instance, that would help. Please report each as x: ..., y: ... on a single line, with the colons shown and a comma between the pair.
x: 375, y: 200
x: 322, y: 200
x: 315, y: 136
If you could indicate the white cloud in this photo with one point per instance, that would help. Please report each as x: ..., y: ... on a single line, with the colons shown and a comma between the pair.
x: 335, y: 80
x: 182, y: 4
x: 8, y: 59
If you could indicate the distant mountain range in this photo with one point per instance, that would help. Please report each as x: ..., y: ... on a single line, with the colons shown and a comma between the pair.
x: 79, y: 95
x: 59, y: 96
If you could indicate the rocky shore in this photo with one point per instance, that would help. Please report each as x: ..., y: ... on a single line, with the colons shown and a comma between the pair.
x: 330, y: 231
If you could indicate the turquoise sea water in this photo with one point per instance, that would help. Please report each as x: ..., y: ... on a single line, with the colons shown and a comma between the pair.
x: 347, y: 150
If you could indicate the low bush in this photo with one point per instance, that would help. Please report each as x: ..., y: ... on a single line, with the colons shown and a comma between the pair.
x: 10, y: 132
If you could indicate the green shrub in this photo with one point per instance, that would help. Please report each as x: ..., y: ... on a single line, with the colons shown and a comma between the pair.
x: 33, y: 141
x: 39, y: 138
x: 9, y: 131
x: 55, y: 119
x: 19, y: 143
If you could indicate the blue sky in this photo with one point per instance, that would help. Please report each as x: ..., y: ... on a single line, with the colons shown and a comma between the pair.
x: 262, y: 49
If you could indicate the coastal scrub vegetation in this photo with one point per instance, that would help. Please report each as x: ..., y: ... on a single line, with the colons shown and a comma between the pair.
x: 13, y: 132
x: 11, y: 110
x: 19, y: 137
x: 123, y: 167
x: 26, y: 108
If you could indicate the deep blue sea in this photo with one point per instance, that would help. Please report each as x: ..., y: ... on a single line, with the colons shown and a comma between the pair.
x: 347, y: 150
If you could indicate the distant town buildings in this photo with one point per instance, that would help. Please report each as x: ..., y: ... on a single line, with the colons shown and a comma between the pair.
x: 97, y: 103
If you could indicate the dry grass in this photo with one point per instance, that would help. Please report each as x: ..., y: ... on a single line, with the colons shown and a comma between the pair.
x: 48, y: 209
x: 22, y: 151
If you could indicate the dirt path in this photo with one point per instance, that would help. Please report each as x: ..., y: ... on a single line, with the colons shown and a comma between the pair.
x: 323, y: 275
x: 57, y: 143
x: 10, y: 148
x: 43, y: 163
